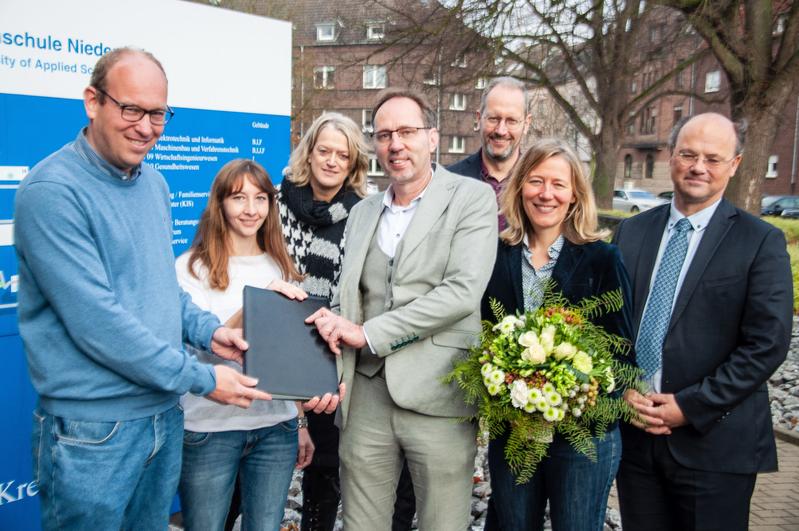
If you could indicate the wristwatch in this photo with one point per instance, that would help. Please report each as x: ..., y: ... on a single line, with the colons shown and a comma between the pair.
x: 302, y: 422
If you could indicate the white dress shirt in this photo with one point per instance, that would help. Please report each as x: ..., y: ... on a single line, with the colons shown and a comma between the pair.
x: 699, y: 222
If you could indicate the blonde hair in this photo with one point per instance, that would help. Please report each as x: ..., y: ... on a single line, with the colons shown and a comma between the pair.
x: 300, y: 168
x: 580, y: 225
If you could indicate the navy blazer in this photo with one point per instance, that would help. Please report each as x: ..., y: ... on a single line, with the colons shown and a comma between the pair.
x: 471, y: 166
x: 581, y: 271
x: 729, y: 331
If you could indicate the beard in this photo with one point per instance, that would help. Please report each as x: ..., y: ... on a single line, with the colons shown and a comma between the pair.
x: 499, y: 156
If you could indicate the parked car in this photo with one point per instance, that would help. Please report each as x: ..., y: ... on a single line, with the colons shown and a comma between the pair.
x: 666, y: 195
x: 774, y: 205
x: 792, y: 213
x: 632, y: 200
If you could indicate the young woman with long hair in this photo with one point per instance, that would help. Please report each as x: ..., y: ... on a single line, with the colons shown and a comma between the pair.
x: 238, y: 243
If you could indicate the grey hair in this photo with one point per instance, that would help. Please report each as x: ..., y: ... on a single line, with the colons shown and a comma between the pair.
x: 505, y: 81
x: 740, y: 127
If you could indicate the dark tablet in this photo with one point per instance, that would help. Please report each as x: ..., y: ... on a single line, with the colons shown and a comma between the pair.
x: 287, y: 356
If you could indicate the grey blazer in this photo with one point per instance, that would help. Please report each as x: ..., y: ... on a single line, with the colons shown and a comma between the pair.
x: 441, y: 268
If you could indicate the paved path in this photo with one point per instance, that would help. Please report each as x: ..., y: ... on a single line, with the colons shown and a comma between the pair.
x: 775, y: 503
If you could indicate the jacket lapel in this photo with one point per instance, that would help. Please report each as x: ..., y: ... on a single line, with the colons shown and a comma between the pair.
x: 568, y: 261
x: 359, y: 236
x: 715, y: 232
x: 513, y: 263
x: 435, y: 200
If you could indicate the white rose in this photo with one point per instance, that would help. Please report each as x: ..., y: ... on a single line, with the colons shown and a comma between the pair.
x: 528, y: 339
x: 582, y: 362
x: 518, y: 394
x: 534, y: 354
x: 565, y: 351
x: 547, y: 338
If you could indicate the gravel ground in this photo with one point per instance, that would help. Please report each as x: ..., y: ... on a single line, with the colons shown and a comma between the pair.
x: 783, y: 389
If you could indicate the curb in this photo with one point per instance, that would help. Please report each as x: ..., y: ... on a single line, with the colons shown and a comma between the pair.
x: 789, y: 436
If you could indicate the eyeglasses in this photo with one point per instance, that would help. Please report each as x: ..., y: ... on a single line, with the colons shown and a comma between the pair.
x: 690, y: 159
x: 404, y: 133
x: 134, y: 113
x: 510, y: 123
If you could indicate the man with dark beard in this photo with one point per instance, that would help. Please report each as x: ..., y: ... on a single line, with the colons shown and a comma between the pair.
x: 503, y: 121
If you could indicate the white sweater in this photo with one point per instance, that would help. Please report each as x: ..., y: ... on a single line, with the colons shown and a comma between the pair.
x: 202, y: 414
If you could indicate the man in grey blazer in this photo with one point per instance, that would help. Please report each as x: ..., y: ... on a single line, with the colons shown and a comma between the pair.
x: 417, y: 259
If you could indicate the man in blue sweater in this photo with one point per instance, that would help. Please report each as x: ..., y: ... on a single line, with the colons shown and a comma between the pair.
x: 103, y: 319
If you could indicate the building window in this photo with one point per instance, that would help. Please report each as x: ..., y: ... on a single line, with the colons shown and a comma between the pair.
x: 375, y: 31
x: 481, y: 83
x: 374, y: 168
x: 648, y: 121
x: 366, y: 120
x: 713, y: 81
x: 459, y: 62
x: 326, y: 32
x: 677, y: 114
x: 374, y: 76
x: 458, y: 145
x: 779, y: 25
x: 457, y: 102
x: 679, y: 82
x: 633, y: 86
x: 324, y: 77
x: 431, y: 79
x: 649, y: 167
x: 628, y: 166
x: 771, y: 172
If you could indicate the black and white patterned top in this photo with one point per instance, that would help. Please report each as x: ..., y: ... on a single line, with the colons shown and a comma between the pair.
x: 314, y: 234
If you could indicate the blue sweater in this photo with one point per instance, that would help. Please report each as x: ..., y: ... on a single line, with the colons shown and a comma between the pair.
x: 101, y: 314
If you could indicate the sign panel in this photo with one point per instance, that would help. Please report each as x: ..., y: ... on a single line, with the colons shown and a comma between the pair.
x: 230, y: 86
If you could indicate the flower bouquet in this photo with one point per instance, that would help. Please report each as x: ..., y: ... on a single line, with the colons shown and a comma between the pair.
x: 548, y: 371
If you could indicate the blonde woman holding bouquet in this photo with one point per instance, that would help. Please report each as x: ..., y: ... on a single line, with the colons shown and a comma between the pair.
x: 552, y: 233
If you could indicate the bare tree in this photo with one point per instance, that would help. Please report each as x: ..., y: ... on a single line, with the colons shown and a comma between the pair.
x: 756, y: 42
x: 585, y: 54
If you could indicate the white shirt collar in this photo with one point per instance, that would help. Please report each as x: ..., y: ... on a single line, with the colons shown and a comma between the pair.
x: 698, y: 221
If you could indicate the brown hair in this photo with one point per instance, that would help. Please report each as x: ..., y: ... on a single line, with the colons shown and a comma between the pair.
x: 211, y: 246
x: 581, y: 224
x: 300, y: 168
x: 428, y: 115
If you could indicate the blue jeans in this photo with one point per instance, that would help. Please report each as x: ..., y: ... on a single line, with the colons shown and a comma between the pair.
x: 264, y: 461
x: 107, y: 475
x: 576, y: 487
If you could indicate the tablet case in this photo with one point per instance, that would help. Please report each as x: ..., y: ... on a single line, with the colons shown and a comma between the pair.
x: 289, y: 358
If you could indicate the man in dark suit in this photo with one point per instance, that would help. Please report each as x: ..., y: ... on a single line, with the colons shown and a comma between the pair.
x: 503, y: 120
x: 712, y: 294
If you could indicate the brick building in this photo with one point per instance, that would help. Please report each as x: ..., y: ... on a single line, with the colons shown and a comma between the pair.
x: 644, y: 157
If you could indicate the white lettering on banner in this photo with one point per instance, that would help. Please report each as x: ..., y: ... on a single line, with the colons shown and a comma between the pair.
x: 23, y: 490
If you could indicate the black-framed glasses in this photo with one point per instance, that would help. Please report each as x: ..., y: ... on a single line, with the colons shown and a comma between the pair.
x: 404, y: 133
x: 134, y: 113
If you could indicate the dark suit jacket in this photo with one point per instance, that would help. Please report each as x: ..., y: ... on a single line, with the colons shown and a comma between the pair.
x: 581, y: 271
x: 471, y: 166
x: 729, y: 331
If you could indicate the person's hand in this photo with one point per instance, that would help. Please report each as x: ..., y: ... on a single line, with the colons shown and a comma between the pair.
x: 647, y: 420
x: 667, y: 409
x: 327, y: 403
x: 334, y: 329
x: 229, y: 344
x: 305, y: 448
x: 289, y: 290
x: 235, y: 388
